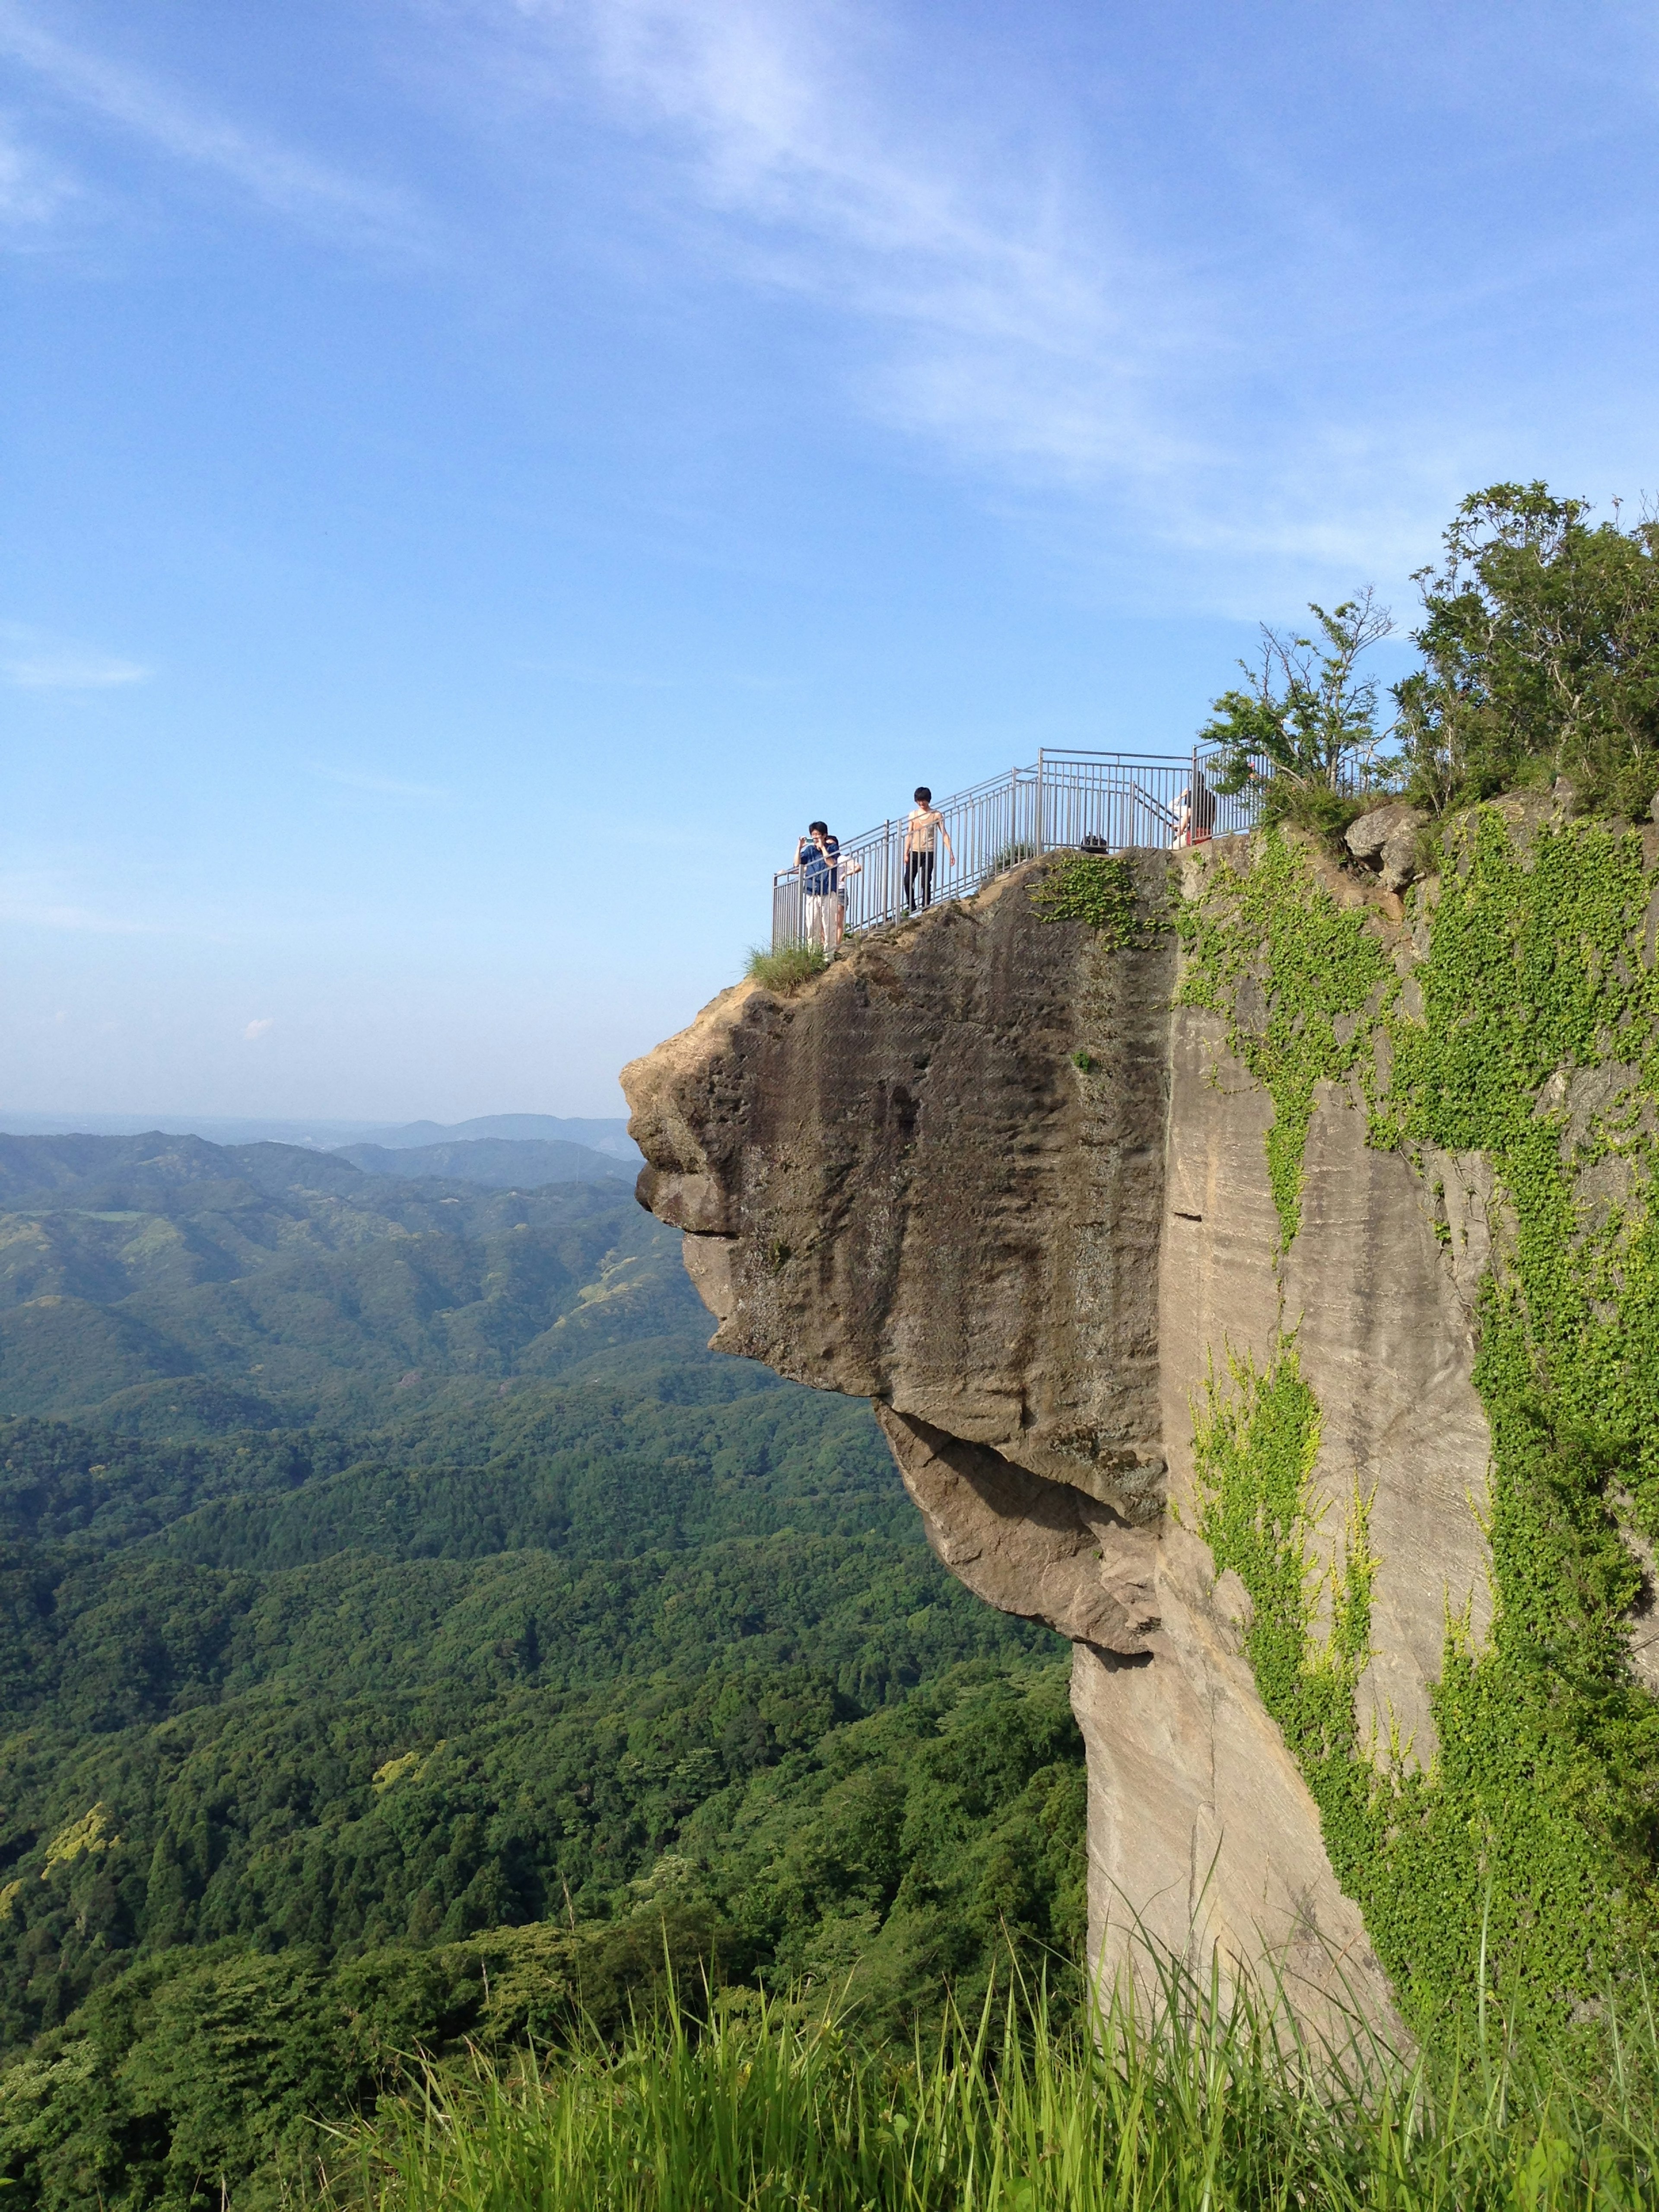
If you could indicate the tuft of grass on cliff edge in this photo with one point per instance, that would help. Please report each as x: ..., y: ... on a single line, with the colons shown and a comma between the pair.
x: 788, y: 971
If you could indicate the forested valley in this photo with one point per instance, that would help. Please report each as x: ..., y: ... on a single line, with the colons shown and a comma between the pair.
x: 413, y: 1639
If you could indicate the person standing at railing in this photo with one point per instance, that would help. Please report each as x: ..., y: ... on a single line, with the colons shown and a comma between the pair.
x: 924, y: 826
x: 818, y: 856
x: 1196, y: 814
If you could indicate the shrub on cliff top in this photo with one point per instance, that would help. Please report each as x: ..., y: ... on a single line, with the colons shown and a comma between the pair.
x: 785, y: 971
x: 1308, y: 723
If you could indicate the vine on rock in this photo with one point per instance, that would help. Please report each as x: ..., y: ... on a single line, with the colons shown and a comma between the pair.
x: 1290, y: 973
x: 1532, y: 1840
x: 1097, y: 888
x: 1259, y: 1513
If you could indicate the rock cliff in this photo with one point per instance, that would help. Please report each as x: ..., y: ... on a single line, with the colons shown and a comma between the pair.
x: 1168, y: 1288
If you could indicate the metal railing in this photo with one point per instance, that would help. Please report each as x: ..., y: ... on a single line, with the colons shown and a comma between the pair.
x: 1117, y: 801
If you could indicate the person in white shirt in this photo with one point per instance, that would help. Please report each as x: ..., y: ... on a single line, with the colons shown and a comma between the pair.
x: 923, y: 827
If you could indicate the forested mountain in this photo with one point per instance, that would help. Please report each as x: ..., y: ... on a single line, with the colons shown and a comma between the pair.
x: 508, y: 1162
x: 407, y: 1627
x: 608, y: 1135
x: 291, y: 1275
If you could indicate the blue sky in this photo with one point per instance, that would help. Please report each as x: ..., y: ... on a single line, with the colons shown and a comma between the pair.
x: 481, y: 473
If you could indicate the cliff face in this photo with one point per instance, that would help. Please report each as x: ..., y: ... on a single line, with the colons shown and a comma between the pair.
x: 1044, y: 1193
x: 900, y: 1188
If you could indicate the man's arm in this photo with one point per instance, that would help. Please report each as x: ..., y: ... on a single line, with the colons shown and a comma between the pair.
x: 950, y: 849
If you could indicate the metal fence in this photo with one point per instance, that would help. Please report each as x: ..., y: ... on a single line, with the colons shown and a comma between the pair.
x: 1119, y: 800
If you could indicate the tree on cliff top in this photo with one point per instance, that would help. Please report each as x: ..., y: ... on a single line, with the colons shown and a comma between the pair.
x: 1308, y: 723
x: 1541, y: 642
x: 1541, y: 650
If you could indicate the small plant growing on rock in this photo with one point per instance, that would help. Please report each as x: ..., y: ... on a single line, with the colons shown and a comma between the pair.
x: 1012, y: 856
x: 785, y: 971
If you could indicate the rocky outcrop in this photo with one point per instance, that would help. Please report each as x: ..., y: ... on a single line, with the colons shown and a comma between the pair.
x: 986, y: 1173
x: 901, y: 1185
x: 1388, y: 837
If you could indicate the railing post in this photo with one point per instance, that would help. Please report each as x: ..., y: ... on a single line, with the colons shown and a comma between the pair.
x: 1039, y: 845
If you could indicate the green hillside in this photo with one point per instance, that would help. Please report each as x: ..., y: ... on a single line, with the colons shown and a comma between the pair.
x: 400, y: 1608
x: 293, y: 1276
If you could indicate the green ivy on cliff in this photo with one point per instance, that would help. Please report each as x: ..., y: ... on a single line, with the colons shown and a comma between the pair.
x: 1095, y: 888
x: 1290, y: 973
x: 1259, y: 1513
x: 1532, y: 1837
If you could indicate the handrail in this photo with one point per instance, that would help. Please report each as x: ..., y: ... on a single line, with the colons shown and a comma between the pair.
x: 1119, y: 801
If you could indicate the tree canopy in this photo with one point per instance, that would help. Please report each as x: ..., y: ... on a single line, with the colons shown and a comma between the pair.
x: 1540, y: 661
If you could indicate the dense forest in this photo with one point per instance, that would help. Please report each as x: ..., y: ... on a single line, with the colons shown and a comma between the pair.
x: 410, y: 1635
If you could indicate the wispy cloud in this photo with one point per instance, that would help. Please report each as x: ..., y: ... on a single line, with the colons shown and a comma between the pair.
x: 72, y: 672
x: 280, y: 177
x: 1038, y: 304
x: 32, y: 191
x: 66, y: 893
x: 1014, y: 318
x: 388, y: 787
x: 255, y: 1030
x: 1030, y: 325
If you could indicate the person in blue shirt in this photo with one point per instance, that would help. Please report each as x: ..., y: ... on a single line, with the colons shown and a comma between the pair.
x: 819, y: 857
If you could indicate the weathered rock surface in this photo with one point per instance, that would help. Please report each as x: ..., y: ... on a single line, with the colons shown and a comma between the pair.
x: 1040, y: 1549
x: 899, y: 1185
x: 1388, y: 836
x: 902, y: 1185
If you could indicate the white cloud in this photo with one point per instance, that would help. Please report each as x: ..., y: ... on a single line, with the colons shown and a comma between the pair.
x: 1043, y: 305
x: 1023, y: 327
x: 280, y: 177
x: 52, y: 896
x: 72, y: 672
x: 31, y: 191
x: 1030, y: 325
x: 39, y: 914
x: 255, y: 1030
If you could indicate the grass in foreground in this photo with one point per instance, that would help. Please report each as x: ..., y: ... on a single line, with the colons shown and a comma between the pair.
x: 785, y: 972
x: 1204, y: 2107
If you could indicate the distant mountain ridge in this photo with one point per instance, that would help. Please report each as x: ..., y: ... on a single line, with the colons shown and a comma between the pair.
x: 609, y: 1136
x: 500, y: 1163
x: 602, y: 1135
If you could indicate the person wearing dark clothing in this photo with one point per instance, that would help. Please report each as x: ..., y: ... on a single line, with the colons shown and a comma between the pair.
x: 819, y: 857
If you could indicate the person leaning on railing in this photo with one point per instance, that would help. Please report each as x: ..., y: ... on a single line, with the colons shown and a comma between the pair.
x: 1194, y: 822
